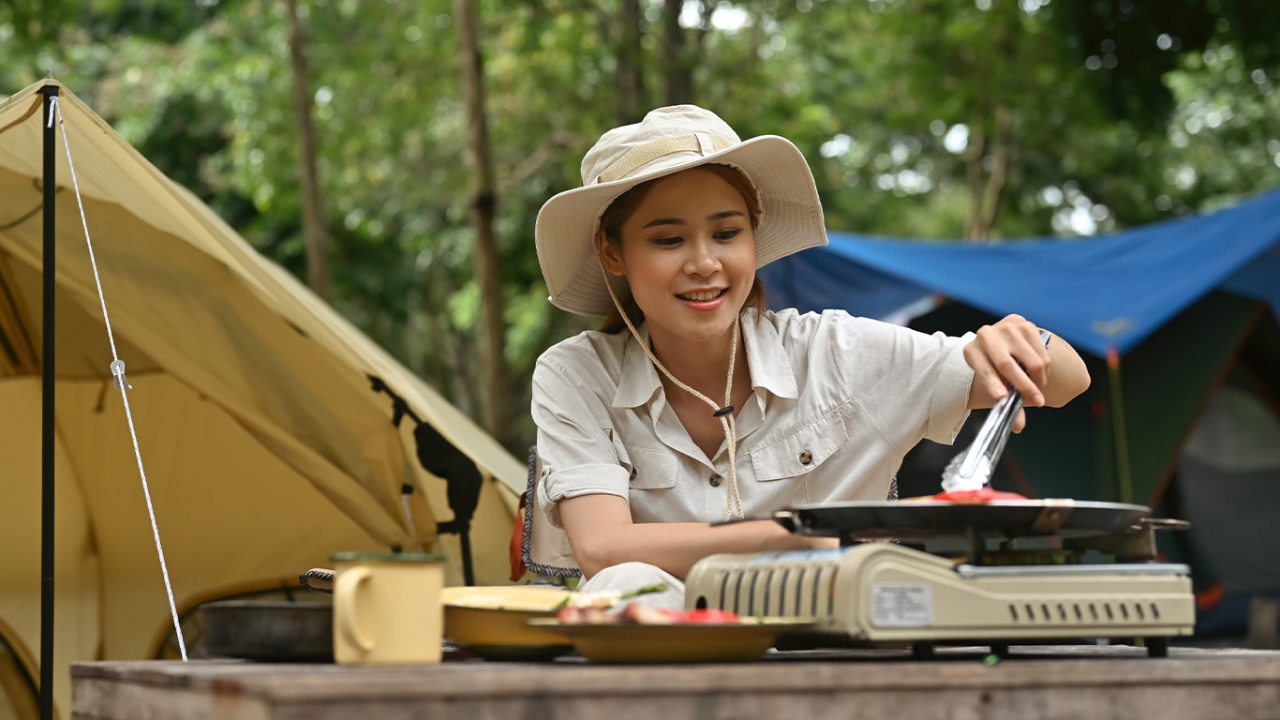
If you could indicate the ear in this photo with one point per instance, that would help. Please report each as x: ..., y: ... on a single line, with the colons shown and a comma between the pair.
x: 610, y: 254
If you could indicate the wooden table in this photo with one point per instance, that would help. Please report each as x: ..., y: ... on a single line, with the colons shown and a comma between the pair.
x: 1034, y: 682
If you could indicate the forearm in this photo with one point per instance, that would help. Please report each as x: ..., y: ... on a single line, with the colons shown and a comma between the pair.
x: 675, y: 547
x: 601, y: 534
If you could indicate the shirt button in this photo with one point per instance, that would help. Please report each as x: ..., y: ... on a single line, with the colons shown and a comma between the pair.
x: 715, y: 481
x: 633, y: 473
x: 806, y: 457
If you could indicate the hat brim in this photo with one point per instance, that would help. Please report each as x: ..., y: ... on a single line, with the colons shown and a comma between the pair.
x: 791, y: 219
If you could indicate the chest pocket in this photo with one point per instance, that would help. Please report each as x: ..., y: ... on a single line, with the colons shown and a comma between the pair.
x: 801, y: 452
x: 651, y: 469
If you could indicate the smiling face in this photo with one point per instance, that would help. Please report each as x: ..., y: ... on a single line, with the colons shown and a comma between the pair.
x: 688, y: 252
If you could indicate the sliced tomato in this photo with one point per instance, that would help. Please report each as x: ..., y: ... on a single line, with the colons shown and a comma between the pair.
x: 707, y: 616
x: 976, y: 497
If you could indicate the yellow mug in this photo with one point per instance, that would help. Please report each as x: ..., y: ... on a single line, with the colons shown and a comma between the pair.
x: 386, y: 608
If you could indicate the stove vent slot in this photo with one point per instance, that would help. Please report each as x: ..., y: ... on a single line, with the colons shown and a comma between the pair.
x: 799, y: 588
x: 750, y: 588
x: 1082, y: 612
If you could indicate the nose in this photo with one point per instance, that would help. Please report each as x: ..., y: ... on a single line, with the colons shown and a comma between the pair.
x: 703, y: 259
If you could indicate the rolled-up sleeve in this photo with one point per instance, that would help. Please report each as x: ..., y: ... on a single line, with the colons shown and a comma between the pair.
x: 575, y: 440
x: 949, y: 406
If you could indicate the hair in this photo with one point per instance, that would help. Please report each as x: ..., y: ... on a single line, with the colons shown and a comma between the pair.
x: 621, y: 210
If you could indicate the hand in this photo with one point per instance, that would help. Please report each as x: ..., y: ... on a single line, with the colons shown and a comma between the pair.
x: 1008, y: 353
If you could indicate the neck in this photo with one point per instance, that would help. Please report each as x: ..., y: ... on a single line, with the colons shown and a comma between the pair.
x: 703, y: 366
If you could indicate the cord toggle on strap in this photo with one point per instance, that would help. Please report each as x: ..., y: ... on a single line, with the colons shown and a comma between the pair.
x: 117, y: 371
x: 723, y: 411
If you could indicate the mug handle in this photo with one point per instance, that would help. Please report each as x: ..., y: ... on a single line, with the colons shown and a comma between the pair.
x: 344, y: 602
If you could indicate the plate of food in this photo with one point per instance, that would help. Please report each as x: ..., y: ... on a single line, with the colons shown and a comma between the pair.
x: 492, y: 622
x: 640, y: 634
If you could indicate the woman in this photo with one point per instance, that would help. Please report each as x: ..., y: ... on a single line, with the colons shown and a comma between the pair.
x: 694, y: 404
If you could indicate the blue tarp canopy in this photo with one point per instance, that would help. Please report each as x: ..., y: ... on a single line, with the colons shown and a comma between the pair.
x: 1099, y: 292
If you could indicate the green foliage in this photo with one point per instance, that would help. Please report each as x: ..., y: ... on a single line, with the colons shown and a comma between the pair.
x: 883, y: 97
x: 1137, y: 41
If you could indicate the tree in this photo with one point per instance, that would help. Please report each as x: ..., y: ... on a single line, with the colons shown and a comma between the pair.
x: 312, y: 216
x: 630, y: 98
x: 483, y: 202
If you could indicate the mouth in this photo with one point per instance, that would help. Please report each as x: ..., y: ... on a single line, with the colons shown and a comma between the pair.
x: 702, y: 296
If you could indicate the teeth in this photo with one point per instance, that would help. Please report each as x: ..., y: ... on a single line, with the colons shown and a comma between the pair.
x: 702, y: 296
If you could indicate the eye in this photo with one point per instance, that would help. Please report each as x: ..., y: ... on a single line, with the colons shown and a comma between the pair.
x: 727, y: 234
x: 667, y: 241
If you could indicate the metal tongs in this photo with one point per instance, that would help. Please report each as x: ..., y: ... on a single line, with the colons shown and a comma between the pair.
x: 971, y: 470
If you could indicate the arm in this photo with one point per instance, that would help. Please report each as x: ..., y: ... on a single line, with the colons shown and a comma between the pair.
x: 1010, y: 353
x: 601, y: 534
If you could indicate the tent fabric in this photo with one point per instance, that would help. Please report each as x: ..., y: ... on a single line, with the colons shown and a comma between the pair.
x: 1099, y: 292
x: 1230, y: 473
x: 18, y: 694
x: 265, y: 445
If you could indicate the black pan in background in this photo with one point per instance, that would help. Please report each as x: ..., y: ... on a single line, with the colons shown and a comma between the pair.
x: 928, y: 519
x: 269, y: 630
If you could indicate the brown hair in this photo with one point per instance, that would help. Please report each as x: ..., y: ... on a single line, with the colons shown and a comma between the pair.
x: 624, y: 207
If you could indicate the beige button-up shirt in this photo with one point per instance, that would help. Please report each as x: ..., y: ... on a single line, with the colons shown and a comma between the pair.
x: 838, y: 400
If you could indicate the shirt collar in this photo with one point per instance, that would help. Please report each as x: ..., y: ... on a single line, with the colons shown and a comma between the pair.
x: 767, y: 360
x: 639, y: 381
x: 770, y: 366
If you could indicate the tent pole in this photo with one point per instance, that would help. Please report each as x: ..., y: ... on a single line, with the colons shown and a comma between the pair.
x: 48, y: 267
x: 1117, y: 427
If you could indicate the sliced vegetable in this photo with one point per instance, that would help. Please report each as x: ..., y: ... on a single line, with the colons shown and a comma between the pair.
x: 608, y: 598
x: 707, y: 616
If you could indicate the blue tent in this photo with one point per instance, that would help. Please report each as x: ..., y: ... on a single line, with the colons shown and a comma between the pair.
x: 1099, y: 292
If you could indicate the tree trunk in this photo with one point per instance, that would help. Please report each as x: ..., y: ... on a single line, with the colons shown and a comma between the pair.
x: 317, y: 247
x: 676, y: 68
x: 994, y: 187
x: 483, y: 201
x: 630, y: 78
x: 986, y: 174
x: 973, y: 157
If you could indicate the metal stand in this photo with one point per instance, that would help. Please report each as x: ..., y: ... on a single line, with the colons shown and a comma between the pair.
x: 47, y: 428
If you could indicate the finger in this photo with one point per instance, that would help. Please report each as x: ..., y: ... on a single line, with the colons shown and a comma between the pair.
x: 1020, y: 422
x: 1012, y: 372
x: 985, y: 375
x: 1033, y: 361
x: 1031, y: 334
x: 1023, y: 345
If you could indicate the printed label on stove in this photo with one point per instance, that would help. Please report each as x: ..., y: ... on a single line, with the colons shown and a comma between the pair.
x: 901, y: 605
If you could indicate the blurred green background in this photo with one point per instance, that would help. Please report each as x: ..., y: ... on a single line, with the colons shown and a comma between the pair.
x: 985, y: 120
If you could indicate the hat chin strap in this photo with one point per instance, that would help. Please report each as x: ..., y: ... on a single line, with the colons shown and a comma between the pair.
x: 724, y: 414
x: 641, y: 155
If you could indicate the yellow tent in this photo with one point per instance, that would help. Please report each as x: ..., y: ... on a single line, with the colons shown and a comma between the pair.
x: 264, y: 444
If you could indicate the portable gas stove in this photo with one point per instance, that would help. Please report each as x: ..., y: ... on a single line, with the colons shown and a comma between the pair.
x: 969, y: 565
x: 1000, y: 573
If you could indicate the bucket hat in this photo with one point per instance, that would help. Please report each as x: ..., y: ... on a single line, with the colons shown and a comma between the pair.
x: 666, y: 141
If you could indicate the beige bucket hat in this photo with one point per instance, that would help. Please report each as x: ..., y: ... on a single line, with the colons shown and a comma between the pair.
x: 666, y: 141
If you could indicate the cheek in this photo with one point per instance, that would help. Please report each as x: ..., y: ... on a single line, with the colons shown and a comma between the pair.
x: 647, y: 273
x: 745, y: 257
